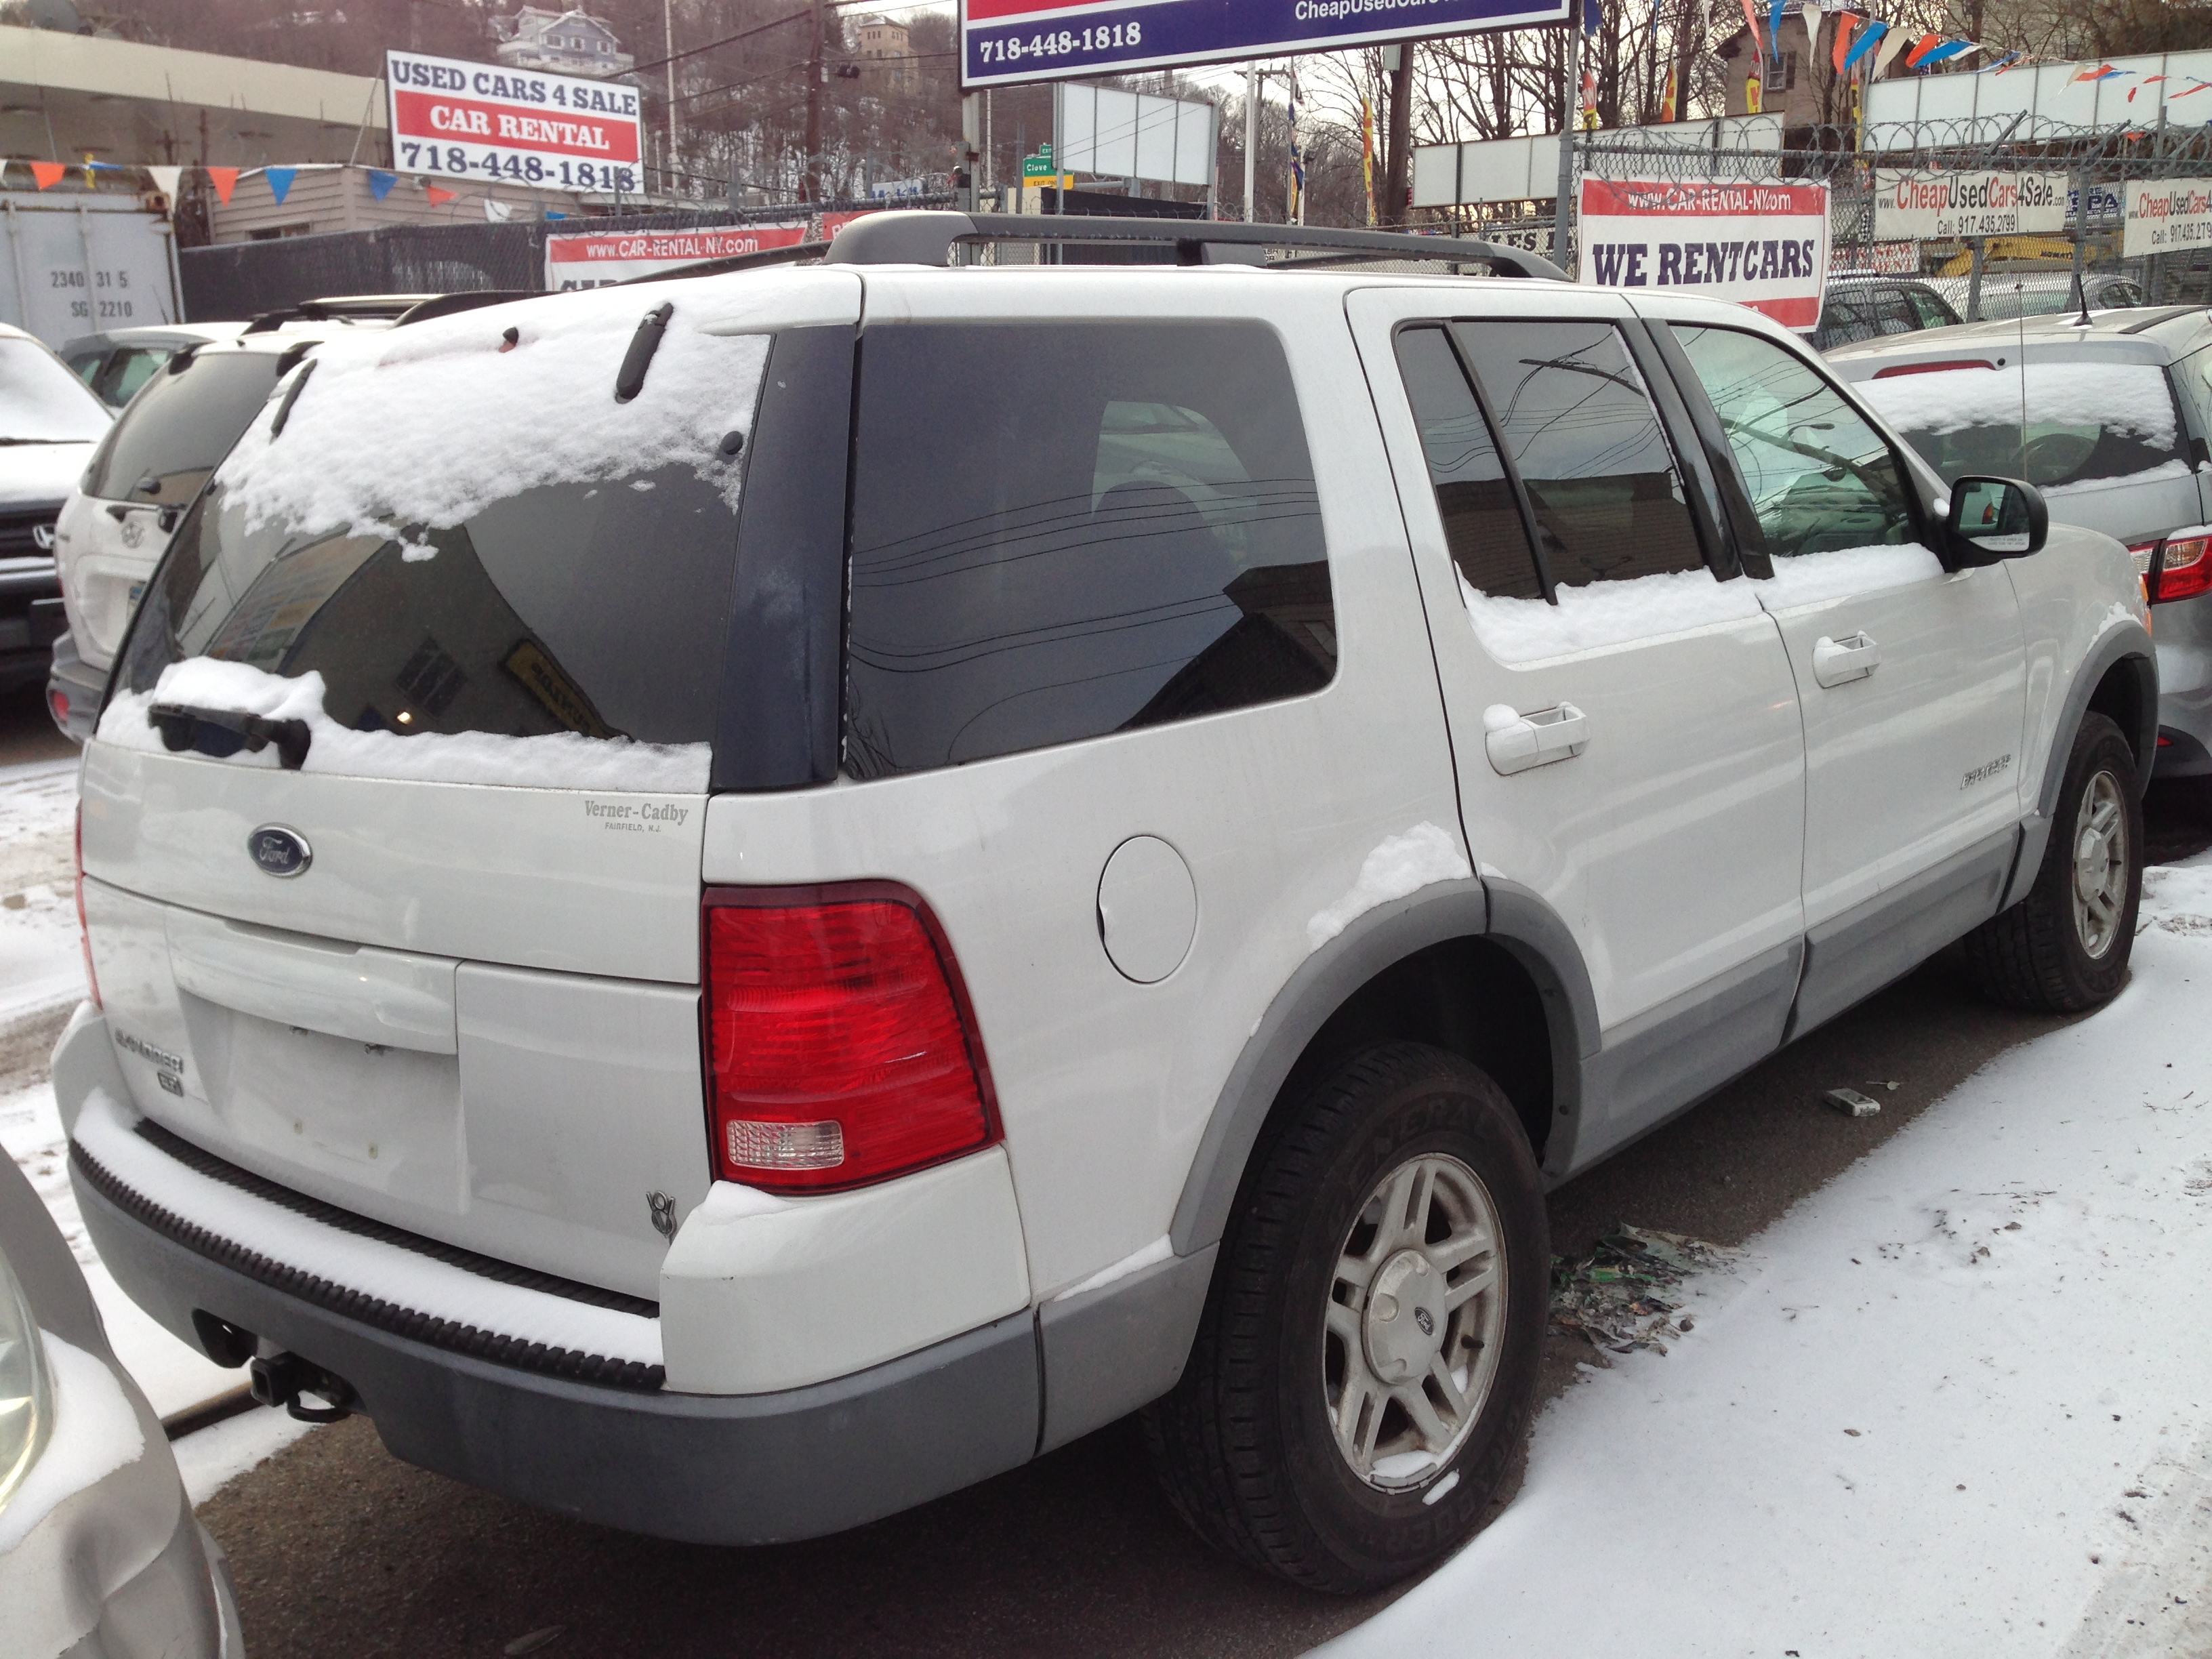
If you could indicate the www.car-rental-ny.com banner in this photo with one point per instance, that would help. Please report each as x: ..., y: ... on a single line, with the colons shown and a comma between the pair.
x: 1762, y: 245
x: 1003, y: 42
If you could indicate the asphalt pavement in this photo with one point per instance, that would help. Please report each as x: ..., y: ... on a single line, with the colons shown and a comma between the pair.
x: 338, y: 1548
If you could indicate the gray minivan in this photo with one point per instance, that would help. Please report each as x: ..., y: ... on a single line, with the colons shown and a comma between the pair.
x: 2110, y: 420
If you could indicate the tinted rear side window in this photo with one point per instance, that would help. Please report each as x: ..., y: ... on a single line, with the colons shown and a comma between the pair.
x: 181, y: 424
x: 1573, y: 413
x: 1065, y: 530
x: 1482, y: 525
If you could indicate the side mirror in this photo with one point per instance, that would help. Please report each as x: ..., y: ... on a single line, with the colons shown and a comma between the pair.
x: 1993, y: 518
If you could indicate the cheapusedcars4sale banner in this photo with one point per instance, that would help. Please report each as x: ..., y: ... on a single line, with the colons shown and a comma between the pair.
x: 1762, y: 245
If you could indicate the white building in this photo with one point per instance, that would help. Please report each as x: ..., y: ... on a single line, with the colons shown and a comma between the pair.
x: 560, y: 43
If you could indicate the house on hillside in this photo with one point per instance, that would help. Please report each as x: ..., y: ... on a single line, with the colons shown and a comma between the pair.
x: 560, y: 43
x: 886, y: 55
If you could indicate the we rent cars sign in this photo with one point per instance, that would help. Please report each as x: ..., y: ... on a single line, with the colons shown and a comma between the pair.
x: 1762, y: 245
x: 486, y: 121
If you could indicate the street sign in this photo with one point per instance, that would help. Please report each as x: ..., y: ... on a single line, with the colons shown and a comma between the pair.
x: 486, y: 121
x: 1003, y: 42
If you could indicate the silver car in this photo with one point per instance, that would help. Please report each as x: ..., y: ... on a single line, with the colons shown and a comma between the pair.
x: 2111, y: 421
x: 99, y: 1552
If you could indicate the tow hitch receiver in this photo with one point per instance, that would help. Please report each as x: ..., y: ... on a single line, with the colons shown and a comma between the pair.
x: 281, y: 1380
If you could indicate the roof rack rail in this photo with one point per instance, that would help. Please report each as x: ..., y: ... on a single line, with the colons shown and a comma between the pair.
x: 928, y: 237
x: 337, y: 306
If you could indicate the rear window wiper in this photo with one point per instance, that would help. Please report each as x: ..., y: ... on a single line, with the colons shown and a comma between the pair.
x: 629, y: 379
x: 224, y: 731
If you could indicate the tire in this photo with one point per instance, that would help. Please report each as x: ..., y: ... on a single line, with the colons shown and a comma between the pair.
x: 1245, y: 1445
x: 2064, y: 948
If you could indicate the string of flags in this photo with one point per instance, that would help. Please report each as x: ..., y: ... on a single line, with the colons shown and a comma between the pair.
x: 1865, y: 43
x: 224, y: 181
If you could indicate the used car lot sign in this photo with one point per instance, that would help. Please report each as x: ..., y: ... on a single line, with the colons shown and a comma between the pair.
x: 1762, y: 245
x: 1925, y: 206
x: 1005, y: 41
x: 490, y: 122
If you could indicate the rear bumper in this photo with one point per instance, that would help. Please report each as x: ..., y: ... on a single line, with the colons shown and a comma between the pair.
x: 517, y: 1415
x: 713, y: 1469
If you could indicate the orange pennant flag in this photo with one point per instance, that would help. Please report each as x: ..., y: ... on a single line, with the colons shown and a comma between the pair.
x: 439, y: 196
x: 1921, y: 48
x: 225, y: 181
x: 1847, y: 24
x: 48, y: 173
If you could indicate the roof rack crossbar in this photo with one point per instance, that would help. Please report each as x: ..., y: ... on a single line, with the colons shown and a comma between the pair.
x: 928, y: 237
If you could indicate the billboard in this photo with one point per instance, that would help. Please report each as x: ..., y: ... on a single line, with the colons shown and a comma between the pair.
x: 1938, y: 206
x: 1003, y: 42
x: 598, y: 258
x: 1761, y: 245
x: 487, y: 121
x: 2166, y: 215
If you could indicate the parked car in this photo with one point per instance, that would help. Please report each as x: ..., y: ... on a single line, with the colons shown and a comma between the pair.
x: 99, y: 1551
x: 117, y: 363
x: 2007, y: 294
x: 181, y: 421
x: 1868, y: 308
x: 733, y: 904
x: 49, y: 424
x: 2112, y: 423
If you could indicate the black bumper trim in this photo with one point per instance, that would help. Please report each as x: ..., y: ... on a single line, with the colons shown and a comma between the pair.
x: 358, y: 1304
x: 701, y: 1469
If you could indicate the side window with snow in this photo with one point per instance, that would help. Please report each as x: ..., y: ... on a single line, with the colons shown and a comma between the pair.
x: 1575, y: 417
x: 1482, y: 524
x: 1819, y: 477
x: 1061, y: 530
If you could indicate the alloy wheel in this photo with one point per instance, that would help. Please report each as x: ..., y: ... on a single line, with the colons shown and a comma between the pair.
x: 1416, y: 1312
x: 2101, y: 865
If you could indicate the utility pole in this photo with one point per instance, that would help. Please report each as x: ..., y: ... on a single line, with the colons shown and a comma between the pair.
x: 1251, y: 132
x: 1397, y: 153
x: 1571, y: 118
x: 668, y: 34
x: 812, y: 182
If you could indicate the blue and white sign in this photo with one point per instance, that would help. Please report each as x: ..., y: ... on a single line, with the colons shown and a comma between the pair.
x: 1006, y: 41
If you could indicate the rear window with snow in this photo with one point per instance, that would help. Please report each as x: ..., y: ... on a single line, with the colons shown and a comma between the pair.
x: 462, y: 560
x: 2058, y: 424
x: 163, y: 447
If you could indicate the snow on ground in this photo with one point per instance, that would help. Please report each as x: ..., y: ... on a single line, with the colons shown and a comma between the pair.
x: 1957, y: 1402
x: 41, y: 963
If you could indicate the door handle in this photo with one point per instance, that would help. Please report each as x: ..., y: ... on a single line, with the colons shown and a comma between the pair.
x: 1517, y: 742
x: 1838, y: 662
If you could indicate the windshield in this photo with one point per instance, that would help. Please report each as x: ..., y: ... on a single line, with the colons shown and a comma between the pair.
x: 463, y: 561
x: 2083, y: 422
x: 165, y: 445
x: 41, y: 402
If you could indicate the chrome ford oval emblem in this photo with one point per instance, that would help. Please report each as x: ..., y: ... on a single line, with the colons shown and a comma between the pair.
x: 278, y: 851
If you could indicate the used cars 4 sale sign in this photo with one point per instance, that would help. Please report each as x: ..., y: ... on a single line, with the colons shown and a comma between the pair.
x: 1762, y: 245
x: 486, y: 121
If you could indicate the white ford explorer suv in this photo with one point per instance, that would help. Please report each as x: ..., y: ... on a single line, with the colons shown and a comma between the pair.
x: 733, y: 903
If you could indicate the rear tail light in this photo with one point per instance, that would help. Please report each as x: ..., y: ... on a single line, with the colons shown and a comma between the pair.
x: 58, y: 701
x: 840, y: 1047
x: 83, y: 927
x: 2179, y: 567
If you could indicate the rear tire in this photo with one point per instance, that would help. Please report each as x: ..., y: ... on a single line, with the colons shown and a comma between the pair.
x: 1367, y: 1359
x: 2064, y: 948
